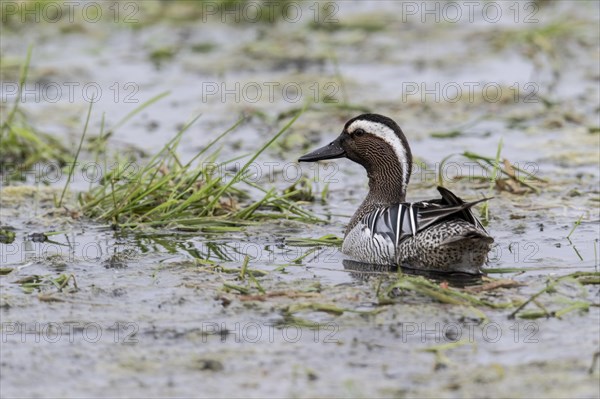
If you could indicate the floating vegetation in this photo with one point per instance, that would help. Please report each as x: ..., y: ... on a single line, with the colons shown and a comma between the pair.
x: 161, y: 55
x: 33, y: 282
x: 289, y: 314
x: 440, y: 292
x: 475, y: 297
x: 6, y: 236
x: 368, y: 22
x: 578, y: 279
x: 446, y: 135
x: 441, y: 360
x: 326, y: 240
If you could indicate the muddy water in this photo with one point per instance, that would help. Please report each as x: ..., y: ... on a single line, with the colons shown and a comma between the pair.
x: 148, y: 320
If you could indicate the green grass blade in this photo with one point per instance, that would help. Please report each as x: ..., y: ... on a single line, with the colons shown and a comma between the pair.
x: 72, y: 169
x: 210, y: 207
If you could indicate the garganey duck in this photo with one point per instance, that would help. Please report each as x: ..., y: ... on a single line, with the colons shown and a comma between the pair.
x: 440, y: 235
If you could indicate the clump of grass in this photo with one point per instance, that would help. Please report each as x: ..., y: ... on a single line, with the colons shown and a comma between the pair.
x: 23, y: 146
x: 501, y: 174
x: 161, y: 192
x: 493, y: 182
x: 191, y: 196
x: 516, y: 180
x: 504, y: 175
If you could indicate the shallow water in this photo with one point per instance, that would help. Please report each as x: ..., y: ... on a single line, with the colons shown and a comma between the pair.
x: 149, y: 320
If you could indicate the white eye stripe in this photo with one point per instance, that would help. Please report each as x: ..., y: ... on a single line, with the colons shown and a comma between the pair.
x: 389, y: 136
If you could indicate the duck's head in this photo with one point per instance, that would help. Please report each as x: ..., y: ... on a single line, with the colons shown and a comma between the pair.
x: 377, y: 143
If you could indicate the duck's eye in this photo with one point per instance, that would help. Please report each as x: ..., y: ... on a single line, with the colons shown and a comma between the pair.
x: 359, y: 132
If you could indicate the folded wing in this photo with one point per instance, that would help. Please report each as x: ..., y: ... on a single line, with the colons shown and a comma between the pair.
x: 399, y: 221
